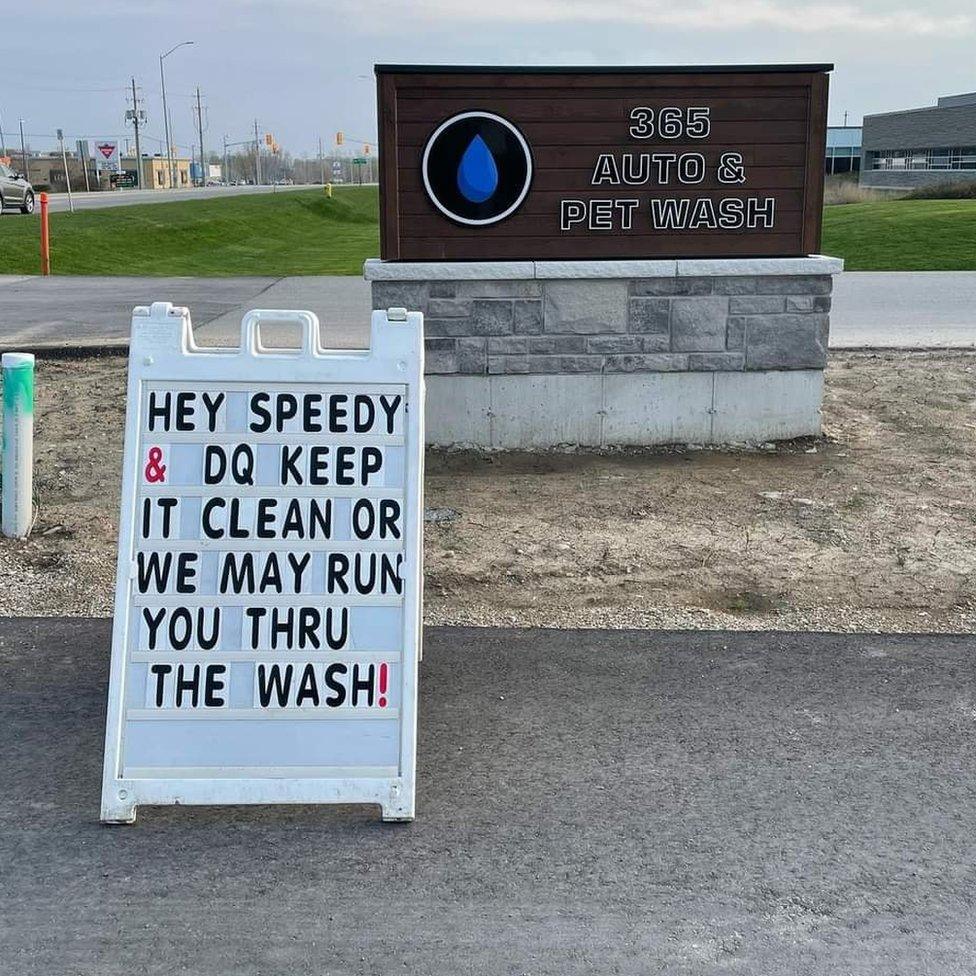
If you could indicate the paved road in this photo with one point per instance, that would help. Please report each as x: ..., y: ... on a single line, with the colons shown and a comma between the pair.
x: 126, y: 198
x: 929, y: 308
x: 589, y: 802
x: 894, y: 309
x: 78, y: 311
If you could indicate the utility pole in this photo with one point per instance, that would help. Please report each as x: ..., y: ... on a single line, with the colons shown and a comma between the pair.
x: 257, y: 156
x: 226, y: 172
x: 203, y: 168
x: 23, y: 151
x: 64, y: 163
x: 135, y: 125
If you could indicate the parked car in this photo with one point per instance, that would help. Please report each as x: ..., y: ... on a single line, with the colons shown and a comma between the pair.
x: 15, y: 191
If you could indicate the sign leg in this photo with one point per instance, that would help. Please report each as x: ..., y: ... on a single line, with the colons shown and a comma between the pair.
x: 118, y: 812
x: 400, y: 807
x: 396, y: 815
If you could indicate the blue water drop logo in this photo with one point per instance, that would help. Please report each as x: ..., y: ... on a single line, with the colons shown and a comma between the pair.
x: 477, y: 175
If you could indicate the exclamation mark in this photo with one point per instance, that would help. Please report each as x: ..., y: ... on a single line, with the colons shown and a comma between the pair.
x: 383, y: 676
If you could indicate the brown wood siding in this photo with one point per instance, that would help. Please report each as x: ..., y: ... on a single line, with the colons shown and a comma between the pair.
x: 776, y: 119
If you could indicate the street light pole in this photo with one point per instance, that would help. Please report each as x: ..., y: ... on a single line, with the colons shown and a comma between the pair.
x: 169, y: 150
x: 64, y: 163
x: 257, y: 156
x: 203, y: 175
x: 23, y: 151
x: 169, y: 140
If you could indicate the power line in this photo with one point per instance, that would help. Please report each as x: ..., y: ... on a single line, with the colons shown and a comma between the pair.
x: 71, y: 91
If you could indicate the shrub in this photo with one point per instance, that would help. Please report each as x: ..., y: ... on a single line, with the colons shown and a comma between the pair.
x: 945, y: 191
x: 839, y: 190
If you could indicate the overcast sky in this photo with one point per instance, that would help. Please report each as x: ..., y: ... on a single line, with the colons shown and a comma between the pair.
x: 303, y: 68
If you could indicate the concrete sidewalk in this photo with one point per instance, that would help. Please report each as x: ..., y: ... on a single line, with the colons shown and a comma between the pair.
x: 589, y: 802
x: 913, y: 310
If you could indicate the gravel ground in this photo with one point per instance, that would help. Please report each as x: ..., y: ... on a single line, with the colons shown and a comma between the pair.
x: 841, y: 620
x: 870, y: 528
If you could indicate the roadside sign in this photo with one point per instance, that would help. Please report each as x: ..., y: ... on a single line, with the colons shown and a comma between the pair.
x: 107, y: 154
x: 360, y: 160
x: 267, y: 615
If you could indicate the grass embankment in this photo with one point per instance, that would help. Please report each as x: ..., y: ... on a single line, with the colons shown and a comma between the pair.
x: 305, y: 232
x: 292, y: 233
x: 903, y: 235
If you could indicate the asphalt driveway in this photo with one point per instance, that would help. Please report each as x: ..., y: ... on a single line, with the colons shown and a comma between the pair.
x: 588, y: 802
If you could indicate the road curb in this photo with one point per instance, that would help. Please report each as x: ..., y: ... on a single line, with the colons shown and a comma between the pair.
x: 103, y: 350
x: 69, y: 352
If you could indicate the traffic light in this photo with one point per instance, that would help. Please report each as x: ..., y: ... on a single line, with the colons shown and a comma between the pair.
x: 365, y: 148
x: 339, y: 138
x: 268, y: 139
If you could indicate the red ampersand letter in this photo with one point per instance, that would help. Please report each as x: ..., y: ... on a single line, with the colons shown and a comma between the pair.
x: 155, y: 472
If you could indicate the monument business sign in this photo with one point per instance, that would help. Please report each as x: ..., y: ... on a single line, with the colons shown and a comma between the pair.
x: 589, y: 163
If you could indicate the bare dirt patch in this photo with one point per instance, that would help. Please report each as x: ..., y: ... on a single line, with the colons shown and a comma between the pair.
x: 871, y: 527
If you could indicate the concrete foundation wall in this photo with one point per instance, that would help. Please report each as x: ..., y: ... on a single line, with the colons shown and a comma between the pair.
x: 632, y: 409
x: 544, y: 354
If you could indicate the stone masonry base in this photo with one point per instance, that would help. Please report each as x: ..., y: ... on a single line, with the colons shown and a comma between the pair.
x: 539, y: 354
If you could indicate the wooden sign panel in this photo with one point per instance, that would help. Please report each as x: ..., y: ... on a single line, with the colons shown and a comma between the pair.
x: 574, y: 163
x: 267, y: 613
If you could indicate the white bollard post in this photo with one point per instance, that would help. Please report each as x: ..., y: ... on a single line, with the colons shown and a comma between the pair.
x: 18, y: 443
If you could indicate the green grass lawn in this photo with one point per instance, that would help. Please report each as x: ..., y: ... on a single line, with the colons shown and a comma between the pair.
x: 902, y: 235
x: 304, y: 232
x: 289, y: 233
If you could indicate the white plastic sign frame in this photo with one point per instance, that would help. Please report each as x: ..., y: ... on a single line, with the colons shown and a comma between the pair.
x: 163, y: 356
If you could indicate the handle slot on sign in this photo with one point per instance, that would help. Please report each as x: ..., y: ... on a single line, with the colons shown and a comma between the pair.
x: 256, y: 319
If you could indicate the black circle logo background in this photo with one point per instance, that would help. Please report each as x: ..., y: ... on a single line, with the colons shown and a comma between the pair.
x: 443, y: 157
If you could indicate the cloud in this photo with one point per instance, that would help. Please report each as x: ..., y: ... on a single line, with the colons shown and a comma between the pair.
x: 711, y: 15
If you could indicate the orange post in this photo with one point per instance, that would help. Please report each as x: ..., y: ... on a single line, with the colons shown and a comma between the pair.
x: 45, y: 238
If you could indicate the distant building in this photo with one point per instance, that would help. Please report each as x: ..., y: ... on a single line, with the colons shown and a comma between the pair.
x: 921, y: 146
x: 46, y: 171
x: 843, y: 149
x: 155, y: 172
